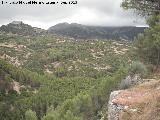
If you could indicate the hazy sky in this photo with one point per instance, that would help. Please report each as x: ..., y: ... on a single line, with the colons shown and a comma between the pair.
x: 88, y: 12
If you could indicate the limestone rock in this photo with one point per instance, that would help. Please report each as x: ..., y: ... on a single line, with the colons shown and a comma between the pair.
x: 141, y: 102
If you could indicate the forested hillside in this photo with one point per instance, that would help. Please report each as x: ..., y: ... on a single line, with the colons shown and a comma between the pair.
x: 109, y: 32
x: 22, y: 90
x: 44, y: 74
x: 62, y: 56
x: 48, y: 76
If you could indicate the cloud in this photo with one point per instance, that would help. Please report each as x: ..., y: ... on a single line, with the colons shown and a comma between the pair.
x: 88, y: 12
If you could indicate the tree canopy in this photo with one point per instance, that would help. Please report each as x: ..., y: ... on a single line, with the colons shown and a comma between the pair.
x: 143, y: 7
x: 148, y: 44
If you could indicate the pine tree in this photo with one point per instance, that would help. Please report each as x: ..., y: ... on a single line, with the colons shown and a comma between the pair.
x: 148, y: 44
x: 143, y: 7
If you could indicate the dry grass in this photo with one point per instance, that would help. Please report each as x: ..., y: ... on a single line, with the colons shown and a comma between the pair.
x: 145, y: 99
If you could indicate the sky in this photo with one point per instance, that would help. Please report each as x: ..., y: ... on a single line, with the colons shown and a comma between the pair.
x: 86, y: 12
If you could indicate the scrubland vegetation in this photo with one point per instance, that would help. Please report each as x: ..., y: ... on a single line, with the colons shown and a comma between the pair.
x: 51, y: 77
x: 59, y: 78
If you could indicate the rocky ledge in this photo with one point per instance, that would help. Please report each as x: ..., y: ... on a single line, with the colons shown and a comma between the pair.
x: 141, y: 102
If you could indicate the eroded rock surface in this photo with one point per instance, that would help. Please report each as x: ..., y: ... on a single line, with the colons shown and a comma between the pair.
x: 141, y: 102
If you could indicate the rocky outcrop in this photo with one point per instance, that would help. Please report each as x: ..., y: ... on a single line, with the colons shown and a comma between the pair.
x: 114, y: 109
x: 141, y: 102
x: 20, y: 28
x: 131, y: 81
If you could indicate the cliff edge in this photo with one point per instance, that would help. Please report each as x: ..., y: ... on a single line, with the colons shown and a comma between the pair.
x: 141, y: 102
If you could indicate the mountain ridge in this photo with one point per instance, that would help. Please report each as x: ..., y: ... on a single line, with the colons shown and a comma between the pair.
x: 103, y: 32
x: 75, y: 30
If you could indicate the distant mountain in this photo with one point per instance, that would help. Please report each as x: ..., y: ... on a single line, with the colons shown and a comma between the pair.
x: 18, y: 27
x: 81, y: 31
x: 74, y: 30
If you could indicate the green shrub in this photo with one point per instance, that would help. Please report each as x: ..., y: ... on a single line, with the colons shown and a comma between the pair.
x: 138, y: 68
x: 30, y: 115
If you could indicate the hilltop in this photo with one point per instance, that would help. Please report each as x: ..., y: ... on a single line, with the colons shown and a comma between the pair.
x: 20, y: 28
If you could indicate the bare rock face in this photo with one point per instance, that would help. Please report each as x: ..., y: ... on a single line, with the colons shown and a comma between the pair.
x: 131, y: 81
x: 114, y: 109
x: 141, y: 102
